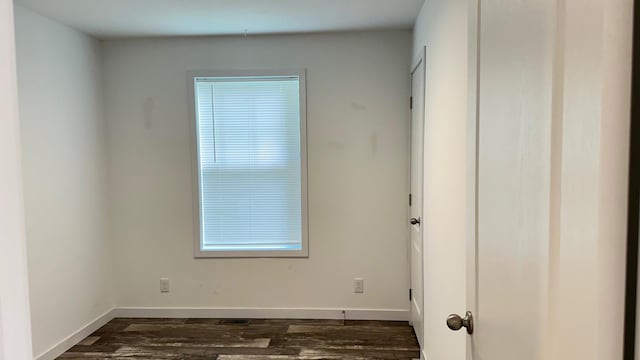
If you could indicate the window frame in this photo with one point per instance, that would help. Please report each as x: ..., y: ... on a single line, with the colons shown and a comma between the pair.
x: 198, y: 252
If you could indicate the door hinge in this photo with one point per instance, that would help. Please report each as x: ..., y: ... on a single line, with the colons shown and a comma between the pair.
x: 411, y: 102
x: 409, y: 199
x: 410, y: 294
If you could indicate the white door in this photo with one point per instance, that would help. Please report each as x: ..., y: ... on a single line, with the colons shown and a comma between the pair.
x: 508, y: 269
x: 415, y: 198
x: 546, y: 246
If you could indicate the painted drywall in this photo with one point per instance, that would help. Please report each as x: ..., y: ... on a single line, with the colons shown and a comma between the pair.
x: 65, y: 177
x: 442, y: 27
x: 15, y: 326
x: 358, y: 116
x: 126, y: 19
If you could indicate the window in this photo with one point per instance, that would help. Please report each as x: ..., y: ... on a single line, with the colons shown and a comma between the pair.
x: 249, y: 141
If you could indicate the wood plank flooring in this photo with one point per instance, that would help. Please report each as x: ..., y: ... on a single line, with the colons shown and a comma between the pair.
x: 257, y: 339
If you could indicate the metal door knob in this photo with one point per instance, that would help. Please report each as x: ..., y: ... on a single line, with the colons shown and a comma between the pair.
x: 455, y: 322
x: 414, y: 221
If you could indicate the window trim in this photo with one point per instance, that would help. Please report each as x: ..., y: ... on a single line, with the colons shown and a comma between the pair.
x: 195, y: 168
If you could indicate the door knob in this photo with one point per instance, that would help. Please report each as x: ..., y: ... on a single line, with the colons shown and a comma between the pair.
x: 455, y: 322
x: 414, y: 221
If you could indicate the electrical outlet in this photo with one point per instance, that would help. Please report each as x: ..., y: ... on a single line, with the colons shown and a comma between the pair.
x: 164, y: 285
x: 358, y: 285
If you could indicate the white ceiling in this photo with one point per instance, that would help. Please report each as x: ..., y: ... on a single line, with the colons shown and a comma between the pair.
x: 135, y: 18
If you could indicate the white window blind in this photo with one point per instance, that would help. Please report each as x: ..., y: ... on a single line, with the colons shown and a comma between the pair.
x: 249, y: 163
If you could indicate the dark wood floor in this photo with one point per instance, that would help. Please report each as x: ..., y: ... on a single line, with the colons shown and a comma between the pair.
x: 227, y: 339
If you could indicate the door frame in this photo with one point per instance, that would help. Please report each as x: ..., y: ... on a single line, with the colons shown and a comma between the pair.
x: 419, y: 60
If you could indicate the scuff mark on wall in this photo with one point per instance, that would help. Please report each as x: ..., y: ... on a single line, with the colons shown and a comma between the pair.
x: 149, y: 106
x: 374, y: 144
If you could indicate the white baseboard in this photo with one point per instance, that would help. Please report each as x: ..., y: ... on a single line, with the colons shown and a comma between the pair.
x: 245, y: 313
x: 264, y: 313
x: 76, y: 337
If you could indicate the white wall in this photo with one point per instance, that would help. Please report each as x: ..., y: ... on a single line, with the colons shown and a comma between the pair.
x: 15, y: 332
x: 442, y: 26
x: 358, y: 87
x: 65, y: 177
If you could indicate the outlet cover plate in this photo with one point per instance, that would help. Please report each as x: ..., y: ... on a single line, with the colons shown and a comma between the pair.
x: 164, y: 285
x: 358, y: 285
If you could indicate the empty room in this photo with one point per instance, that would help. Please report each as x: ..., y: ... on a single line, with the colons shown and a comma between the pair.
x: 319, y: 179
